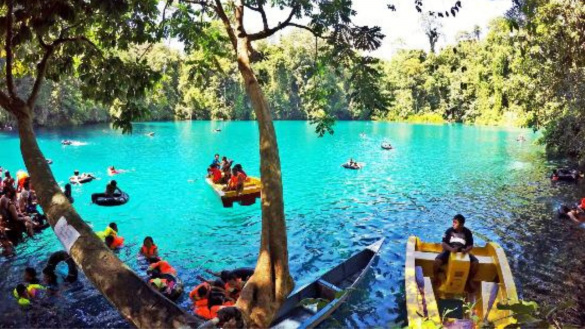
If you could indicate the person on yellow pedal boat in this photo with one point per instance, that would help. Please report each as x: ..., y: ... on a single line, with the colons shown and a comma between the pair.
x: 457, y: 238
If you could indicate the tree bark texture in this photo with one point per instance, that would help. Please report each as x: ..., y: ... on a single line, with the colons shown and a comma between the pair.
x: 123, y: 288
x: 271, y: 283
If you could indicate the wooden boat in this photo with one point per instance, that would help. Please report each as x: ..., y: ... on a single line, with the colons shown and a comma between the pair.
x: 252, y: 191
x: 333, y: 287
x: 424, y: 301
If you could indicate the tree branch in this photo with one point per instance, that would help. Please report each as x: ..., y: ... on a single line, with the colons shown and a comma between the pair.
x: 268, y: 32
x: 42, y: 66
x: 305, y: 28
x: 8, y: 48
x: 41, y: 71
x: 263, y: 14
x: 5, y: 101
x: 202, y: 3
x: 226, y: 22
x: 162, y: 22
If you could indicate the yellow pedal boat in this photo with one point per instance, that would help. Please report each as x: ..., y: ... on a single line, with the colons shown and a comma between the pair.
x: 252, y: 190
x: 444, y: 305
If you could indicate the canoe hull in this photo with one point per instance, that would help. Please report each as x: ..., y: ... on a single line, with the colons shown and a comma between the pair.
x: 334, y: 286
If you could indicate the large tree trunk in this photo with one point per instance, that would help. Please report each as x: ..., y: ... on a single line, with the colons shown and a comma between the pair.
x: 271, y: 283
x: 134, y: 299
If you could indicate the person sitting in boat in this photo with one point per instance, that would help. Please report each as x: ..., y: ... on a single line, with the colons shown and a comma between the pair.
x: 159, y: 267
x: 214, y: 173
x: 216, y: 160
x: 226, y: 168
x: 236, y: 183
x: 241, y: 170
x: 112, y: 188
x: 457, y: 238
x: 149, y: 249
x: 66, y: 142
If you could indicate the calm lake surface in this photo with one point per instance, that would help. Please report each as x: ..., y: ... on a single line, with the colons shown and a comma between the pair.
x: 434, y: 172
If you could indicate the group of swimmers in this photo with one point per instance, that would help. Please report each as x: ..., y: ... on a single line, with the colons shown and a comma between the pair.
x: 221, y: 172
x: 18, y: 210
x: 32, y: 290
x: 208, y: 297
x: 111, y: 188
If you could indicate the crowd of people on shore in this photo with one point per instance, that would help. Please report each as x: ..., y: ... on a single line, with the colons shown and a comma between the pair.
x: 221, y: 172
x: 18, y: 210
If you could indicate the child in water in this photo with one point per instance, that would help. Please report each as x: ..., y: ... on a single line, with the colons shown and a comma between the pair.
x: 149, y: 249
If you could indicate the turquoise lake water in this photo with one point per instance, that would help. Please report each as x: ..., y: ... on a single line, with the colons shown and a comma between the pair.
x: 434, y: 172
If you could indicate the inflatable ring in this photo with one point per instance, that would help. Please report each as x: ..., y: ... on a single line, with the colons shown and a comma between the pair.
x: 63, y: 256
x: 82, y: 180
x: 101, y: 199
x: 348, y: 166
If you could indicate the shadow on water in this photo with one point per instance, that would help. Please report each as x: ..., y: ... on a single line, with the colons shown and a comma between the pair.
x: 432, y: 173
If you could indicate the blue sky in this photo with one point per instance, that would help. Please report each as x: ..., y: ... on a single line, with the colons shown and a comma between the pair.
x: 402, y: 27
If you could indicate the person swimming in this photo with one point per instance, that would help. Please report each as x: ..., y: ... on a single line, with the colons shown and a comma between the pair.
x: 159, y: 267
x: 149, y: 249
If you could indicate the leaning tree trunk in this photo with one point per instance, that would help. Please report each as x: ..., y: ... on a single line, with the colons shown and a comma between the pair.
x: 271, y: 283
x: 133, y: 298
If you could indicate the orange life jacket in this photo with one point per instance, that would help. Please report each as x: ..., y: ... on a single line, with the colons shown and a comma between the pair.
x: 118, y: 242
x: 206, y: 312
x: 163, y: 267
x: 194, y: 293
x: 148, y: 252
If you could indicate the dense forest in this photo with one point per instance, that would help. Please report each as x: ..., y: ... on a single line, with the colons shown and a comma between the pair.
x: 511, y: 74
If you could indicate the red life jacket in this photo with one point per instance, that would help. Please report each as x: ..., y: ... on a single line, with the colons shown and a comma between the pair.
x: 148, y: 252
x: 194, y: 293
x: 216, y: 175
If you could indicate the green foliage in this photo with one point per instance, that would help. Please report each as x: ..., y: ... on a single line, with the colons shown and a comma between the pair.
x: 81, y: 42
x: 550, y: 41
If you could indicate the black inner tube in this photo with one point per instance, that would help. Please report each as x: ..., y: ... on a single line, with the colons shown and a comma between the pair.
x: 63, y: 256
